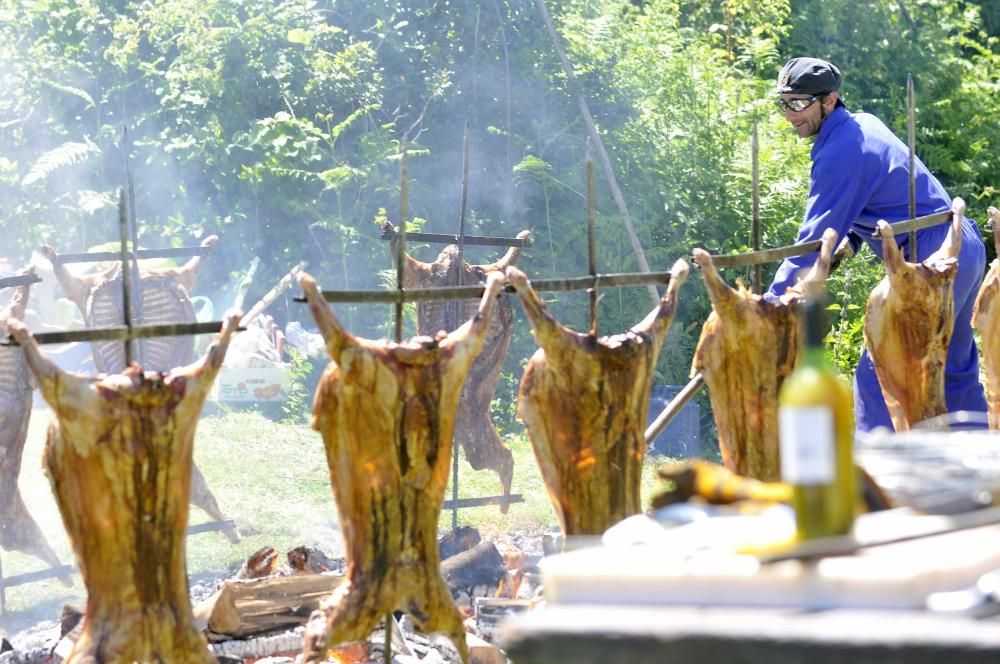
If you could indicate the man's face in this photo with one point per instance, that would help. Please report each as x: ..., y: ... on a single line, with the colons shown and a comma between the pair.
x: 808, y: 121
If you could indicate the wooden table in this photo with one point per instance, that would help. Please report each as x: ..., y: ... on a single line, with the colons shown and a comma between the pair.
x: 608, y: 634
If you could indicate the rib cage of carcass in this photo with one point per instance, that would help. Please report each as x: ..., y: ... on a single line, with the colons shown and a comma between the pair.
x: 163, y: 301
x: 474, y: 429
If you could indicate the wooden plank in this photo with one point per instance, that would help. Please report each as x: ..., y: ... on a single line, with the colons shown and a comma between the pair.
x: 243, y: 608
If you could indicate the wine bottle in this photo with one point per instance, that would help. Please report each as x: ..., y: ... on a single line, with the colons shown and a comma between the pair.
x: 816, y: 434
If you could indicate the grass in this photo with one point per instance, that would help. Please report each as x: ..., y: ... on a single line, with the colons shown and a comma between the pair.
x: 272, y: 478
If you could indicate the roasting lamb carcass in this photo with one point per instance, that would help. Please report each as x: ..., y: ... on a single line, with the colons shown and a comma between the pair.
x: 585, y: 402
x: 747, y: 347
x: 386, y: 412
x: 908, y: 325
x: 18, y: 531
x: 474, y: 429
x: 119, y: 458
x: 986, y: 319
x: 165, y: 299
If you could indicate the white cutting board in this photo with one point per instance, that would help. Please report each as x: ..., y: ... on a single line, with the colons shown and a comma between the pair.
x: 674, y: 569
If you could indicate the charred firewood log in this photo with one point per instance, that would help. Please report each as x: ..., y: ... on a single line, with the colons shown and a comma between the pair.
x: 747, y: 347
x: 165, y: 299
x: 585, y: 401
x: 119, y: 459
x: 18, y: 531
x: 474, y: 429
x: 386, y: 412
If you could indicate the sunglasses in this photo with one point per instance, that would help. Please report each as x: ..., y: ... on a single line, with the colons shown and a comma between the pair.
x: 798, y: 105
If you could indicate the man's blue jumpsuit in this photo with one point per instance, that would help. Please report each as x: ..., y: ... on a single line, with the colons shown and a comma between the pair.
x: 860, y: 175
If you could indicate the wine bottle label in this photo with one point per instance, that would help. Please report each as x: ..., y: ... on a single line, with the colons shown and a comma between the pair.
x: 806, y: 440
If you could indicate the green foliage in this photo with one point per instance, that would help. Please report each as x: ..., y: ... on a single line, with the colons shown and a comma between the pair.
x: 298, y: 397
x: 279, y: 126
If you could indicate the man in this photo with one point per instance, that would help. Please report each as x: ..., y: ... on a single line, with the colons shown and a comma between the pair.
x: 860, y: 174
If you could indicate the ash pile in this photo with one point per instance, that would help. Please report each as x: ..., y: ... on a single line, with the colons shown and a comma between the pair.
x: 257, y: 614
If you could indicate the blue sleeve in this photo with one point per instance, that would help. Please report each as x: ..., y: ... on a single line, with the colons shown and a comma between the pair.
x: 838, y: 192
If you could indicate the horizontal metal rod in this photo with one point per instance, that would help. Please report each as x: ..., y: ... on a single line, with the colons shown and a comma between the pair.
x: 40, y: 575
x: 781, y: 253
x: 63, y: 570
x: 19, y: 280
x: 472, y: 292
x: 443, y: 238
x: 210, y: 526
x: 676, y: 404
x: 462, y: 503
x: 116, y: 257
x: 766, y: 255
x: 122, y: 333
x: 900, y: 227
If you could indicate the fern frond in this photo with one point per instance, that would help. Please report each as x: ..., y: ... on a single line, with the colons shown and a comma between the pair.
x: 67, y: 154
x: 76, y: 92
x: 90, y: 201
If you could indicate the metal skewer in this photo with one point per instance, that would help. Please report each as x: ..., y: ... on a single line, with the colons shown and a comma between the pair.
x: 913, y: 225
x: 454, y: 322
x: 126, y: 287
x: 19, y: 280
x: 378, y: 296
x: 142, y: 254
x: 755, y: 192
x: 591, y: 240
x: 124, y: 333
x: 673, y: 408
x: 479, y: 240
x: 912, y: 140
x: 133, y: 265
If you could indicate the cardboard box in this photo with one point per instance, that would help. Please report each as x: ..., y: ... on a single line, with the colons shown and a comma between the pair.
x: 258, y: 384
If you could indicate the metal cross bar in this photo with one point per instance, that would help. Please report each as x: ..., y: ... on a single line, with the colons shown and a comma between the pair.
x: 142, y: 254
x: 123, y: 333
x: 766, y: 255
x: 780, y: 253
x: 64, y: 570
x: 19, y: 280
x: 900, y: 227
x: 444, y: 238
x: 373, y: 296
x: 460, y: 503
